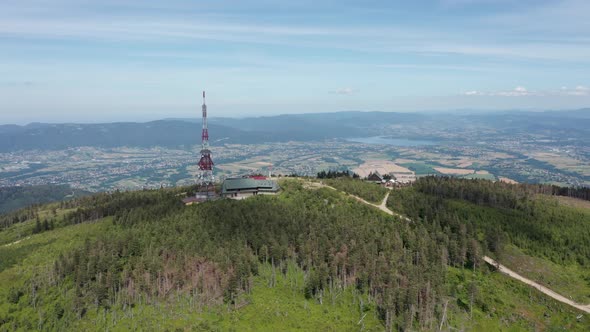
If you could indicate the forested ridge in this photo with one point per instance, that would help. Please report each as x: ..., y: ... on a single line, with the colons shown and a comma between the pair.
x: 157, y: 248
x: 14, y: 198
x: 151, y: 249
x: 505, y: 213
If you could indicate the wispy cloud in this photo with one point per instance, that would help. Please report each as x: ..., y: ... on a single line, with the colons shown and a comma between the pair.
x: 109, y: 53
x: 431, y: 67
x: 368, y: 37
x: 18, y: 84
x: 521, y: 91
x: 579, y: 90
x: 345, y: 91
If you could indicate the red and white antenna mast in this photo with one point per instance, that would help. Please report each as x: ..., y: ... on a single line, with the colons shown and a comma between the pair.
x: 205, y: 163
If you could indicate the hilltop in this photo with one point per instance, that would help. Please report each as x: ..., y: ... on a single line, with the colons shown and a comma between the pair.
x: 311, y: 258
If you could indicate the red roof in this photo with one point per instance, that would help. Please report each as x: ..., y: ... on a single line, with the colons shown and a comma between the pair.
x: 257, y: 177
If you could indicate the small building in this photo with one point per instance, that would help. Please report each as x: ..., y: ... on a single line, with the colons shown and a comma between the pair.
x: 200, y: 197
x: 404, y: 178
x: 391, y: 183
x: 375, y: 177
x: 240, y: 188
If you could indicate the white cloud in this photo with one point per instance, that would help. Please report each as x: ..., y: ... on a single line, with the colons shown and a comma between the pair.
x: 473, y: 93
x: 345, y: 91
x: 521, y: 91
x: 579, y: 90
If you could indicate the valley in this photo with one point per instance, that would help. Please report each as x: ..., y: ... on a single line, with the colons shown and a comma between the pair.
x: 531, y: 147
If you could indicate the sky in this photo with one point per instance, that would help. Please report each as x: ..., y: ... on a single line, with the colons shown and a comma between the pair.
x: 124, y: 60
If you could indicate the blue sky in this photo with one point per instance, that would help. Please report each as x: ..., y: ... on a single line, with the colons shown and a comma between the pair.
x: 91, y: 61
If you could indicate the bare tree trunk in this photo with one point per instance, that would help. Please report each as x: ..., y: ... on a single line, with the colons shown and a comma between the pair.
x: 444, y: 317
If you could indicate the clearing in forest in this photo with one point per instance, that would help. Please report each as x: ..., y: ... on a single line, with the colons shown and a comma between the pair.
x: 507, y: 180
x: 572, y: 201
x: 381, y: 166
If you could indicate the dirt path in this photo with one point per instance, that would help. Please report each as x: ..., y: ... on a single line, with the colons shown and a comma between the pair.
x: 383, y: 206
x: 541, y: 288
x: 15, y: 242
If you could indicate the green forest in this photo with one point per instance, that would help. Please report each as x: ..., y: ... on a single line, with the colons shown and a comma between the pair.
x: 307, y: 259
x: 14, y: 198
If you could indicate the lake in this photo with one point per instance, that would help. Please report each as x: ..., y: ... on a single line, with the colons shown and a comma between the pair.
x: 391, y: 141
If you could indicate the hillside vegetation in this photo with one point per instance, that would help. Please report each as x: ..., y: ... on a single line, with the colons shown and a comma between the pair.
x: 533, y: 234
x: 14, y: 198
x: 303, y: 260
x: 502, y: 213
x: 366, y: 190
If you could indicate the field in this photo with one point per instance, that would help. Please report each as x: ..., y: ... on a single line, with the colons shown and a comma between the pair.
x: 465, y: 164
x: 507, y: 180
x: 381, y: 166
x: 480, y: 175
x: 420, y: 168
x: 563, y: 161
x: 257, y: 165
x: 466, y: 173
x: 454, y: 171
x: 100, y: 169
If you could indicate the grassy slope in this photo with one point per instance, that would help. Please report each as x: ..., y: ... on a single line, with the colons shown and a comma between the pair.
x: 367, y: 190
x: 24, y: 229
x: 571, y: 280
x: 421, y: 168
x: 21, y: 261
x: 574, y: 202
x: 504, y: 304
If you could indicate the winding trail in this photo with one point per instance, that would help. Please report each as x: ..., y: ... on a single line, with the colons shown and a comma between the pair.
x: 15, y: 242
x: 501, y: 268
x: 383, y: 206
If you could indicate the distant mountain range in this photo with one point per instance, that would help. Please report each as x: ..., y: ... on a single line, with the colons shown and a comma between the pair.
x: 155, y: 133
x: 280, y: 128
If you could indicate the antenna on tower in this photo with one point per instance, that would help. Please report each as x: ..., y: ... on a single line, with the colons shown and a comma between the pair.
x: 206, y: 178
